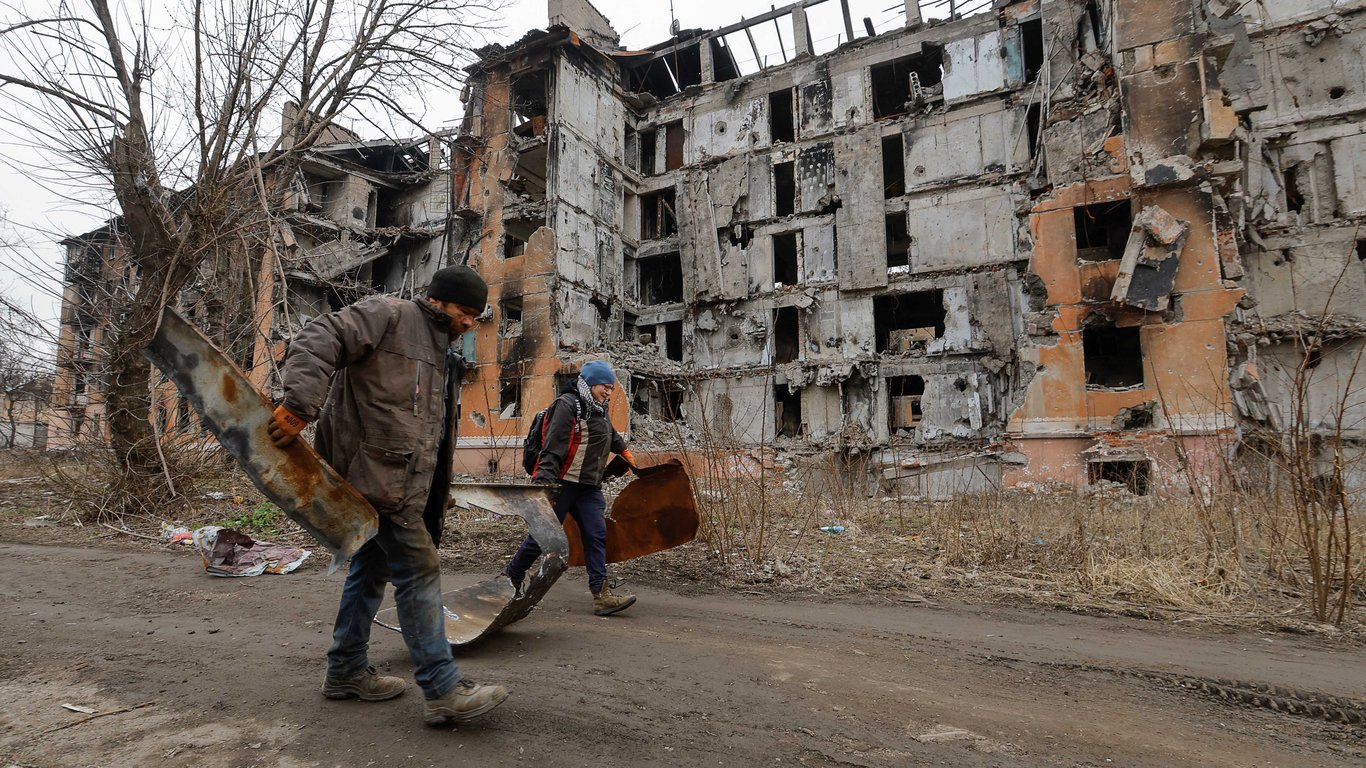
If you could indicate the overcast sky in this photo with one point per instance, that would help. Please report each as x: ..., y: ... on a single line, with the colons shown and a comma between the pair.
x: 40, y: 217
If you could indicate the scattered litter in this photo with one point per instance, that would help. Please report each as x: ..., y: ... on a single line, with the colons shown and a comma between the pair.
x: 176, y: 534
x: 832, y: 528
x: 217, y: 496
x: 227, y: 552
x: 40, y: 521
x: 79, y: 708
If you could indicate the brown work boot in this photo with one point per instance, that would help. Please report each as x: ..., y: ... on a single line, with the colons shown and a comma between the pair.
x: 466, y: 701
x: 366, y: 686
x: 605, y: 603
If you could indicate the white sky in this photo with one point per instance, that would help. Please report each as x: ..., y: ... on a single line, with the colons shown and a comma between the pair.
x: 41, y: 216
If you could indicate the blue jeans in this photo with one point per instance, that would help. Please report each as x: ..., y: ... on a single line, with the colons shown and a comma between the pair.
x: 588, y: 507
x: 407, y: 557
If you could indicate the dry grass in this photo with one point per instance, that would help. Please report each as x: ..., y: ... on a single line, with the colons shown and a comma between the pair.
x: 1225, y: 561
x: 1229, y: 562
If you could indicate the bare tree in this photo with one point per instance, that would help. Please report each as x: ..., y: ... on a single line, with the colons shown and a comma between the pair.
x: 22, y: 374
x: 168, y: 107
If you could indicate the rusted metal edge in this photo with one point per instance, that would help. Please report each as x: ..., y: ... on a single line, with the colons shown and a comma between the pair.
x: 296, y: 478
x: 479, y: 610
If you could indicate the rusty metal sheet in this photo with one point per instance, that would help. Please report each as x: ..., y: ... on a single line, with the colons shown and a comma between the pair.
x: 654, y: 512
x: 479, y: 610
x: 296, y: 479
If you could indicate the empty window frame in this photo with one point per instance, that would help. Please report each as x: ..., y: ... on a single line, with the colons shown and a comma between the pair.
x: 784, y: 189
x: 786, y: 335
x: 787, y: 411
x: 1031, y: 36
x: 657, y: 399
x: 900, y: 320
x: 661, y: 278
x: 510, y: 318
x: 647, y: 152
x: 513, y: 246
x: 1102, y: 230
x: 898, y: 241
x: 893, y: 166
x: 781, y: 126
x: 1113, y: 357
x: 1134, y: 475
x: 904, y: 394
x: 672, y: 333
x: 899, y: 85
x: 786, y: 265
x: 509, y: 397
x: 657, y: 217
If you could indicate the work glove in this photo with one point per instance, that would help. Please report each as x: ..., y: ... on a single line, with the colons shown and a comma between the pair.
x: 629, y: 457
x: 284, y: 427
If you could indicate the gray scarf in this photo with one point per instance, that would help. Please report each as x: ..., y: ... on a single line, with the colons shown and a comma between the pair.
x: 586, y: 394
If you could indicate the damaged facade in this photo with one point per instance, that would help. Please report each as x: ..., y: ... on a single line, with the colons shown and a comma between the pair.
x: 960, y: 254
x: 360, y: 217
x: 1040, y: 241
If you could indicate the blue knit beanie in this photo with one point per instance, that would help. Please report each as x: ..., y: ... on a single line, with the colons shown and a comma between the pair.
x: 597, y: 372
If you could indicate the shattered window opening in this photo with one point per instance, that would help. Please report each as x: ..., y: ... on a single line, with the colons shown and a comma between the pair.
x: 893, y: 166
x: 1033, y: 122
x: 904, y: 395
x: 784, y: 189
x: 1134, y: 475
x: 510, y: 318
x: 786, y: 269
x: 781, y: 126
x: 787, y: 411
x: 509, y: 397
x: 513, y: 246
x: 906, y: 321
x: 657, y: 399
x: 898, y: 241
x: 673, y: 340
x: 1031, y: 37
x: 657, y: 218
x: 647, y: 152
x: 1102, y: 230
x: 905, y: 84
x: 1294, y: 200
x: 661, y: 279
x: 786, y: 335
x: 1113, y: 357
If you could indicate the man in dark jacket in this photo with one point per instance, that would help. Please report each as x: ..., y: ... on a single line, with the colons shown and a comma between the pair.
x: 578, y: 439
x: 390, y: 382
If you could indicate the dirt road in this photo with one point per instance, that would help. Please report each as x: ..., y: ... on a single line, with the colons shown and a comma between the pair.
x: 220, y: 672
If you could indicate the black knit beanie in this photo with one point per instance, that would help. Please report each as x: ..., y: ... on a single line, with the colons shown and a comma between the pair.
x: 459, y: 285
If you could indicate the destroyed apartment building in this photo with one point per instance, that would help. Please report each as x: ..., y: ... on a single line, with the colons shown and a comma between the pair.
x: 361, y: 217
x: 1043, y: 241
x: 984, y: 245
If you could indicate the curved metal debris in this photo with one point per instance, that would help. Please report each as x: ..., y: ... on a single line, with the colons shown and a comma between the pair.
x: 296, y: 479
x: 481, y: 609
x: 654, y: 512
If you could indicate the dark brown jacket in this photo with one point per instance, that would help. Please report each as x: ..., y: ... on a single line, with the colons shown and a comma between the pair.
x: 384, y: 361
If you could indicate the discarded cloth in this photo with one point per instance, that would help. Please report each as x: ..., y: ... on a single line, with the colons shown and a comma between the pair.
x: 227, y: 552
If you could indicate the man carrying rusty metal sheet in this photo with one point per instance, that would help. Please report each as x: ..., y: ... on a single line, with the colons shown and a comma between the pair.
x: 384, y: 369
x: 575, y: 446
